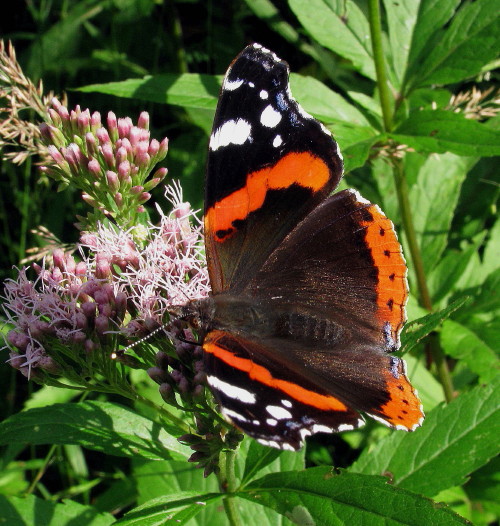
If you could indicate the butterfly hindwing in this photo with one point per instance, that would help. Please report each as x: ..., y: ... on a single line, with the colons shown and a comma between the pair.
x: 265, y: 398
x: 269, y: 164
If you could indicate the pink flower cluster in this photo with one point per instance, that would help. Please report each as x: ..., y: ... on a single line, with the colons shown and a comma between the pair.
x: 118, y: 288
x: 110, y: 164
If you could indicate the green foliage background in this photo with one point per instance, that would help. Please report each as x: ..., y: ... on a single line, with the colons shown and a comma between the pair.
x: 66, y: 460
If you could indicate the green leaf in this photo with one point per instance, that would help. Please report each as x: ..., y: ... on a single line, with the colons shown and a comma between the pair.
x: 17, y: 511
x: 177, y: 508
x: 448, y: 271
x: 461, y: 343
x: 100, y: 426
x: 261, y: 458
x: 432, y: 16
x: 326, y: 105
x: 445, y: 131
x: 416, y: 330
x: 188, y: 90
x: 154, y: 479
x: 430, y: 391
x: 340, y: 26
x: 437, y: 188
x: 470, y: 42
x: 401, y: 19
x: 455, y: 440
x: 324, y: 496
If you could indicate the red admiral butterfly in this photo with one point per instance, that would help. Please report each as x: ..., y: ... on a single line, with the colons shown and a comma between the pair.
x: 309, y: 290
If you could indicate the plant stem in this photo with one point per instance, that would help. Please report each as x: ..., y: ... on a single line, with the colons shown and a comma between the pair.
x: 378, y: 57
x: 402, y: 193
x: 227, y: 483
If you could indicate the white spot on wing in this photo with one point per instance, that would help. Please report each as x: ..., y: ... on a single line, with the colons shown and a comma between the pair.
x: 270, y: 117
x: 231, y: 132
x: 233, y: 415
x: 263, y: 94
x: 231, y: 391
x: 231, y: 85
x: 286, y: 403
x: 278, y: 141
x: 280, y: 413
x: 271, y: 422
x: 251, y: 84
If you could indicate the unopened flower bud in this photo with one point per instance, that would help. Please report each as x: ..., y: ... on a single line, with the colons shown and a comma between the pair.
x: 81, y: 268
x: 103, y: 136
x: 70, y: 263
x: 124, y: 170
x: 107, y: 153
x: 94, y: 168
x: 102, y: 267
x: 136, y: 190
x: 90, y: 200
x: 157, y: 375
x: 78, y: 337
x: 112, y: 126
x: 95, y: 121
x: 143, y: 121
x: 166, y: 392
x: 112, y: 179
x: 145, y: 196
x: 124, y: 126
x: 163, y: 149
x: 101, y: 324
x: 58, y: 258
x: 118, y: 198
x: 90, y: 346
x: 84, y: 122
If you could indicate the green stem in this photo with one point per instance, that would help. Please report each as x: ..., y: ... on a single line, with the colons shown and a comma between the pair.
x: 402, y: 193
x: 227, y: 483
x: 378, y: 57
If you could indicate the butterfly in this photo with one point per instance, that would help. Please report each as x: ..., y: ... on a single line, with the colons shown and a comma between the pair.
x: 308, y: 288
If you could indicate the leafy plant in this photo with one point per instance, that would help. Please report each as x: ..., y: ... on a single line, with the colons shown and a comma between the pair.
x: 408, y: 92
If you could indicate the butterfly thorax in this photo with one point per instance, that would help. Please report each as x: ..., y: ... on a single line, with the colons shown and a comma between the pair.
x: 261, y: 318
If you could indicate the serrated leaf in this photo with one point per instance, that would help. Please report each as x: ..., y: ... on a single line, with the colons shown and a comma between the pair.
x: 100, y: 426
x: 416, y: 330
x: 455, y: 440
x: 188, y: 90
x: 340, y: 26
x: 432, y: 16
x: 442, y: 131
x: 437, y: 188
x: 323, y: 496
x: 466, y: 46
x: 401, y: 19
x: 16, y: 511
x: 461, y: 343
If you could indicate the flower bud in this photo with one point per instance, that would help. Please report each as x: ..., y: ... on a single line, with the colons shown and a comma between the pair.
x: 81, y: 268
x: 112, y: 126
x: 90, y: 346
x: 102, y: 136
x: 90, y: 200
x: 145, y: 196
x: 112, y: 179
x: 101, y: 324
x: 83, y: 122
x: 163, y: 149
x: 70, y: 264
x: 58, y: 258
x: 94, y: 168
x: 107, y: 153
x: 95, y: 121
x: 166, y: 392
x: 157, y: 375
x: 143, y: 121
x: 89, y: 309
x: 124, y: 170
x: 118, y: 198
x: 124, y: 126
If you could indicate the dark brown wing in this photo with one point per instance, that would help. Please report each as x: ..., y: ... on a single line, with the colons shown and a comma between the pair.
x: 269, y: 164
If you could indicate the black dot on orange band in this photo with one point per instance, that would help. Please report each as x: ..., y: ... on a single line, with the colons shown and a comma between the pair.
x: 404, y: 412
x: 406, y: 402
x: 401, y: 388
x: 382, y: 232
x: 390, y: 304
x: 387, y: 253
x: 400, y: 417
x: 221, y: 234
x: 392, y: 276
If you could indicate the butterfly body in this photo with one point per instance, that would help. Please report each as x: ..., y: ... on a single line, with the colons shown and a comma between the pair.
x: 309, y: 289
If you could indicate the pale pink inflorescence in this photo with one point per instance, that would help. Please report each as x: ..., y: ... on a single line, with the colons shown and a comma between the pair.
x: 81, y: 304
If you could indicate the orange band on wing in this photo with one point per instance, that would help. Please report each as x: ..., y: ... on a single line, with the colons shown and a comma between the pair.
x: 404, y: 407
x: 262, y: 375
x: 302, y: 169
x: 392, y: 288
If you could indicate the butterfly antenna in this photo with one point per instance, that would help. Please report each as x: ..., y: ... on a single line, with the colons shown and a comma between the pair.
x: 121, y: 352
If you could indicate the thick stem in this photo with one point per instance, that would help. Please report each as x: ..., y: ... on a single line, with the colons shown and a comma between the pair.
x: 227, y: 483
x: 402, y: 193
